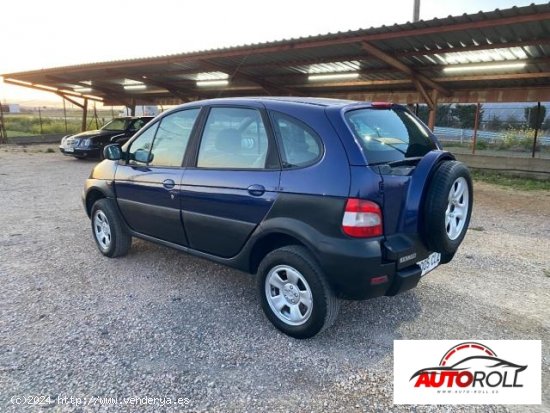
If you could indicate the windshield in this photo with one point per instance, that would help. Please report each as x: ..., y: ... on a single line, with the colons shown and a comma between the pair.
x: 387, y: 135
x: 116, y: 125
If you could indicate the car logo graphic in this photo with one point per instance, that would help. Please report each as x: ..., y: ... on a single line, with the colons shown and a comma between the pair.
x: 470, y: 365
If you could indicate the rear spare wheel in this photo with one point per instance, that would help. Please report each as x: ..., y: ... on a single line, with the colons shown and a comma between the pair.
x: 447, y: 208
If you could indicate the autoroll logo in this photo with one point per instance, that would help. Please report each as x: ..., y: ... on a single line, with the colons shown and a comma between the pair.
x: 470, y: 365
x: 468, y: 372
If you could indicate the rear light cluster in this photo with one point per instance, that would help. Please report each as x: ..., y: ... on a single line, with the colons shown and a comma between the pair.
x: 362, y: 219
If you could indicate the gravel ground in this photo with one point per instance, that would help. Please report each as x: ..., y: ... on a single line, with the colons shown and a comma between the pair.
x: 160, y: 323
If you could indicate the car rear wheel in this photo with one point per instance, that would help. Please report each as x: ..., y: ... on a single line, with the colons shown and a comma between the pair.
x: 111, y: 237
x: 448, y: 208
x: 294, y: 294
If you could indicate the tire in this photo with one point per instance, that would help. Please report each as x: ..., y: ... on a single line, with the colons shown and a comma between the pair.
x: 301, y: 282
x: 108, y: 230
x: 448, y: 208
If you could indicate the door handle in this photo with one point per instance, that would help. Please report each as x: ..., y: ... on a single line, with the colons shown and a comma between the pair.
x: 256, y: 190
x: 168, y: 183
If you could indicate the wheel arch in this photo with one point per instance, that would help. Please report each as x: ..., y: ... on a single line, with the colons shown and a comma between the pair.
x: 269, y: 242
x: 92, y: 196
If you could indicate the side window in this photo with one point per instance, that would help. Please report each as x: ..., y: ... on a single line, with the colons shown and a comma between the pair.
x: 301, y: 146
x: 136, y: 125
x: 141, y: 146
x: 233, y: 138
x: 172, y: 137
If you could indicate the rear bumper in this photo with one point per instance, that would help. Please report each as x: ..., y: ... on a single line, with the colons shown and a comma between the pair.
x: 362, y: 269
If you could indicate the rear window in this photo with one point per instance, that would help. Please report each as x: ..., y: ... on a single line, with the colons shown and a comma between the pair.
x: 389, y: 134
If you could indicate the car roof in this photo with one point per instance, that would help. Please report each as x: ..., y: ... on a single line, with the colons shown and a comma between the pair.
x: 310, y: 101
x: 134, y: 117
x: 272, y: 102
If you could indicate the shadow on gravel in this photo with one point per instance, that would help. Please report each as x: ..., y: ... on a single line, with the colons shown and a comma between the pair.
x: 85, y: 160
x: 218, y: 303
x: 163, y: 322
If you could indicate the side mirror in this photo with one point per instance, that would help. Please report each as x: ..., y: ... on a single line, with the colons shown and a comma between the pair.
x: 112, y: 152
x: 143, y: 156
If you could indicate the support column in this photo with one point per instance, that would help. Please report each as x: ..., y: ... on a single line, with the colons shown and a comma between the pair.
x: 84, y: 114
x: 3, y: 134
x: 65, y: 114
x: 416, y: 11
x: 476, y: 127
x: 433, y: 111
x: 537, y: 127
x: 40, y: 120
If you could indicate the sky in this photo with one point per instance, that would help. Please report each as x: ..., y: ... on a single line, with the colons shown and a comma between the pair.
x: 40, y: 34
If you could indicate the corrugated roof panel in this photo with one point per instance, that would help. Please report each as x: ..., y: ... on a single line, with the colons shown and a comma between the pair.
x: 478, y: 56
x: 290, y: 60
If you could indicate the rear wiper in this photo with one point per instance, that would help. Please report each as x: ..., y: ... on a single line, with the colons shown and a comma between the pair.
x: 400, y: 162
x: 389, y: 144
x: 379, y: 163
x: 405, y: 161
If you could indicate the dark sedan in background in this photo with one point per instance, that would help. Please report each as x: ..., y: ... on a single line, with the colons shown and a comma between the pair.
x: 91, y: 143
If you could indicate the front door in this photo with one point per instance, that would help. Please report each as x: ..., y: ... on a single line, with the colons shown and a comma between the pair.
x: 148, y: 185
x: 233, y: 183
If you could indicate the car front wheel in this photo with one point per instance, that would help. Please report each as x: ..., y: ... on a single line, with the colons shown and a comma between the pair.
x: 111, y: 237
x: 294, y: 294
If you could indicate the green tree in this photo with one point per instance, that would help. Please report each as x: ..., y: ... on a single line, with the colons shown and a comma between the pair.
x: 495, y: 123
x: 512, y: 122
x: 443, y: 116
x: 423, y: 113
x: 534, y: 121
x: 467, y: 114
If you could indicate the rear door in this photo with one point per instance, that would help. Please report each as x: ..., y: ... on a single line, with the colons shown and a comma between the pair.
x: 233, y: 180
x: 148, y: 186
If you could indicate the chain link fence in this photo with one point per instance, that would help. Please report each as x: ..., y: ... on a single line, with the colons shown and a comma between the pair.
x: 44, y: 121
x: 506, y: 129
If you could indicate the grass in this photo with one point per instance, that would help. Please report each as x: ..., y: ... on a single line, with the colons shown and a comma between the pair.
x: 525, y: 184
x: 15, y: 134
x: 29, y: 125
x: 546, y: 272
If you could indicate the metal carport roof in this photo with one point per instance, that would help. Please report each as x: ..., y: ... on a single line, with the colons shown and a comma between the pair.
x: 502, y: 55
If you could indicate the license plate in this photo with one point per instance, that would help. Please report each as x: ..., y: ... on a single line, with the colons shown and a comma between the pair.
x: 69, y: 149
x: 429, y: 263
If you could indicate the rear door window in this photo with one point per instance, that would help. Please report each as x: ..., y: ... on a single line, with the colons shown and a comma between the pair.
x: 387, y: 135
x: 234, y: 138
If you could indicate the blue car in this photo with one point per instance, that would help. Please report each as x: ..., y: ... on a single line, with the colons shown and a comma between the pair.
x: 322, y: 199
